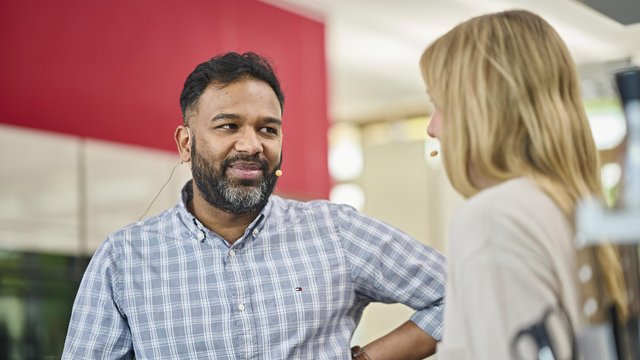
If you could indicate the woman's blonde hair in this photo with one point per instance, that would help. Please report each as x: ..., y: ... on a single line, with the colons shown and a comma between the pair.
x: 510, y: 98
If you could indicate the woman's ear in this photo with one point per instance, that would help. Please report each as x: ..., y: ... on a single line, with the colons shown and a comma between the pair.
x: 183, y: 137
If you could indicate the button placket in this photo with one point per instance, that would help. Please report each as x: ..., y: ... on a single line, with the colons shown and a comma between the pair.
x: 237, y: 275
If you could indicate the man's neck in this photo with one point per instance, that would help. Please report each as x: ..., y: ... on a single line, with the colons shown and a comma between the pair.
x: 229, y: 226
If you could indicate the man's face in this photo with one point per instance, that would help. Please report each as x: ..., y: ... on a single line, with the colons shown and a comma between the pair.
x: 236, y: 145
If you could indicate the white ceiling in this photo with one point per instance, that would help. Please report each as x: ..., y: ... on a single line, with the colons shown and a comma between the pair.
x: 373, y: 46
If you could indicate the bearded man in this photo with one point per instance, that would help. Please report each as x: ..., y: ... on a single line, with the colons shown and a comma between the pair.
x: 234, y: 272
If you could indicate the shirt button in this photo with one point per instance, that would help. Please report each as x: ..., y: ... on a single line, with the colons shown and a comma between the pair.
x: 255, y: 232
x: 201, y: 236
x: 232, y: 253
x: 241, y: 307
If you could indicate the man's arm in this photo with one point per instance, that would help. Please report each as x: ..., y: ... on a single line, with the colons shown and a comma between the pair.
x: 388, y: 266
x: 407, y: 342
x: 97, y: 329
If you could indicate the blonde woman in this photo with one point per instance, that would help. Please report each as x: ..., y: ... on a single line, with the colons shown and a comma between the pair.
x: 515, y: 141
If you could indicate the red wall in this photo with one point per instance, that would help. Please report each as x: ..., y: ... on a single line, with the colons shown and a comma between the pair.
x: 113, y: 70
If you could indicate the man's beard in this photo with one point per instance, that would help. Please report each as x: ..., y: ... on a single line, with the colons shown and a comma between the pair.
x: 237, y: 196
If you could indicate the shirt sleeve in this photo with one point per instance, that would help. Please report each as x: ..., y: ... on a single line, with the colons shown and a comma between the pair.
x: 389, y: 266
x: 98, y: 329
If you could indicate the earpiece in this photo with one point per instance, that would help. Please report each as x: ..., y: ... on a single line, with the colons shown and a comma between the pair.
x: 190, y: 134
x: 278, y: 173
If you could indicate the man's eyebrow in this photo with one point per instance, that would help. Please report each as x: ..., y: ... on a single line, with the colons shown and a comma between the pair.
x: 232, y: 116
x: 225, y: 116
x: 272, y: 120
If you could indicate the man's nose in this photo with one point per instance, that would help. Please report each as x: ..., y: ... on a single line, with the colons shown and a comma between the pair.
x: 249, y: 142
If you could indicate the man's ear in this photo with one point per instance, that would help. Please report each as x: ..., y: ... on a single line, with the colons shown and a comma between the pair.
x: 183, y: 137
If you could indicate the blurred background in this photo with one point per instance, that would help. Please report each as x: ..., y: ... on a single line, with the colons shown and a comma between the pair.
x: 89, y: 102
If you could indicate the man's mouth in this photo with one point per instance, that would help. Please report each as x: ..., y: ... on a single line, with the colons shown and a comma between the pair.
x: 244, y: 170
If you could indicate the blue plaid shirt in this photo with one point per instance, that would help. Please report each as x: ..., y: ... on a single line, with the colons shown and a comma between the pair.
x: 293, y: 287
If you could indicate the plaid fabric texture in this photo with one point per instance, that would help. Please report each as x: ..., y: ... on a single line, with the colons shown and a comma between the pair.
x: 293, y: 287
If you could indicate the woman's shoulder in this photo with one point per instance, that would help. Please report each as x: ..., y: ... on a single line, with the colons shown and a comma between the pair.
x: 507, y: 198
x: 514, y: 209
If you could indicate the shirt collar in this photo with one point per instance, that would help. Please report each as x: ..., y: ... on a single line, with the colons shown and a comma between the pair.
x: 196, y: 227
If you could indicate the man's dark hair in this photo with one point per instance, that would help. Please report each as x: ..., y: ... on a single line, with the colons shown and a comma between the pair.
x: 223, y: 70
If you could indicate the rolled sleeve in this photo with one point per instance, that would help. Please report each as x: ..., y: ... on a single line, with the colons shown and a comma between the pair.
x: 430, y: 320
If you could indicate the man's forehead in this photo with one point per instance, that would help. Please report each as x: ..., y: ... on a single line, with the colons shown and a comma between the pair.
x: 251, y: 87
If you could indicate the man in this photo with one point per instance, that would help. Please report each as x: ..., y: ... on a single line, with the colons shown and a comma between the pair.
x: 233, y: 272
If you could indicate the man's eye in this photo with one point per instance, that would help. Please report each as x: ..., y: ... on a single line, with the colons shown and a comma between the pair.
x: 228, y: 126
x: 270, y: 130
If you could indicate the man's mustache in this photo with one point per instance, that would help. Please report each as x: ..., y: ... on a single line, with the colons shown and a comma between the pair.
x: 255, y: 159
